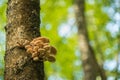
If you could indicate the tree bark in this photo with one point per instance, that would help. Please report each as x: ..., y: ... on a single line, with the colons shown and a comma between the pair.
x: 91, y: 68
x: 22, y: 23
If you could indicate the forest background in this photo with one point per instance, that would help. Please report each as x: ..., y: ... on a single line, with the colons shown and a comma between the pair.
x: 58, y: 23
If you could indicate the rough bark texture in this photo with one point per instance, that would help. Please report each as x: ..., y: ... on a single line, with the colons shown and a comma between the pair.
x: 90, y: 65
x: 23, y: 23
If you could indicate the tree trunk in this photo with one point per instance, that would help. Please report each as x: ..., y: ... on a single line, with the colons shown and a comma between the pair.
x: 22, y: 23
x: 89, y: 62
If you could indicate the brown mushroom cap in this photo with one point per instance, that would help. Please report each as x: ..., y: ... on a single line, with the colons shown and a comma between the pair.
x: 40, y: 50
x: 53, y: 50
x: 47, y: 47
x: 43, y: 39
x: 29, y: 50
x: 35, y: 55
x: 36, y: 58
x: 51, y: 58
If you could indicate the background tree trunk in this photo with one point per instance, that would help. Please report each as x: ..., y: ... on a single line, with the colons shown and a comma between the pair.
x: 23, y: 23
x: 89, y: 62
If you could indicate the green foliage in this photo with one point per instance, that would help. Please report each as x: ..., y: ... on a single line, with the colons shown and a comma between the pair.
x: 2, y: 16
x: 2, y: 36
x: 104, y: 44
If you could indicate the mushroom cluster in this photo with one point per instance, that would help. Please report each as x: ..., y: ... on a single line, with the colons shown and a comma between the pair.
x: 40, y: 49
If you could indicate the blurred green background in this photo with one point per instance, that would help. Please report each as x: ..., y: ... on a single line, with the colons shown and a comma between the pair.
x: 58, y: 23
